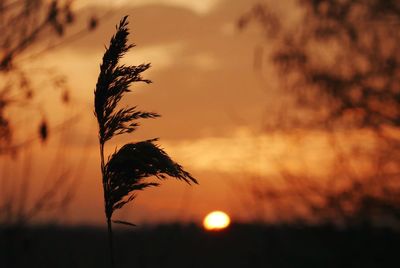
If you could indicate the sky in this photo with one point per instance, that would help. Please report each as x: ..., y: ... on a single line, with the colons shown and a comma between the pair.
x: 206, y: 89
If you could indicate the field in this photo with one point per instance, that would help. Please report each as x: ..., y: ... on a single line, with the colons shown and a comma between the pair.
x: 190, y: 246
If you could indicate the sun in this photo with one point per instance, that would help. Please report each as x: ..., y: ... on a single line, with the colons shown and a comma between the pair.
x: 216, y: 220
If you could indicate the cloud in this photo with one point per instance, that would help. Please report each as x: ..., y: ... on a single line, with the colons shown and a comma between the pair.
x: 202, y: 74
x: 200, y: 7
x: 162, y: 56
x: 245, y: 152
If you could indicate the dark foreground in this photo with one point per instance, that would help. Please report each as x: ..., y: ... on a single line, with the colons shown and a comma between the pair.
x: 190, y: 246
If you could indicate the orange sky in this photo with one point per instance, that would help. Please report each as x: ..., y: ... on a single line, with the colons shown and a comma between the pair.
x: 210, y: 98
x: 204, y: 88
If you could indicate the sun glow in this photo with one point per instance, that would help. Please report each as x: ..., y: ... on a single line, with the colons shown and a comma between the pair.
x: 216, y: 220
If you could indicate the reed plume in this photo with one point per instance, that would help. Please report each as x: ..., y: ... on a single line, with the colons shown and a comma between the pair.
x: 126, y: 170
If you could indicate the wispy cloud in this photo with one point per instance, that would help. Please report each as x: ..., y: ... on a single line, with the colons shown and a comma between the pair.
x: 200, y: 7
x: 245, y: 152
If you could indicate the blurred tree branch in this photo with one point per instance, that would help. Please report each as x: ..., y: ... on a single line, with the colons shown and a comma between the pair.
x: 31, y: 28
x: 341, y: 64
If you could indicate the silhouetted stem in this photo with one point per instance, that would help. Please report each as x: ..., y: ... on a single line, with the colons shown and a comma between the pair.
x: 110, y: 242
x: 105, y: 190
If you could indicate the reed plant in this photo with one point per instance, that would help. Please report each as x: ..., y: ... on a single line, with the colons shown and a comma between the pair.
x: 126, y: 170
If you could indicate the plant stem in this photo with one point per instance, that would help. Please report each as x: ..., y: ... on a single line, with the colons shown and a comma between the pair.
x: 110, y: 242
x: 109, y: 224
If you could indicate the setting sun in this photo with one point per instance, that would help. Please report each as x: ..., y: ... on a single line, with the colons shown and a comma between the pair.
x: 216, y: 220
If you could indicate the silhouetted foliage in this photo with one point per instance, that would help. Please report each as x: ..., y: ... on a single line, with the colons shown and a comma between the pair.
x: 341, y: 63
x: 134, y: 162
x: 43, y: 130
x: 126, y: 169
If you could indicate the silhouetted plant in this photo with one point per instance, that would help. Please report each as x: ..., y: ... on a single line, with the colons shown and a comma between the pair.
x: 126, y: 168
